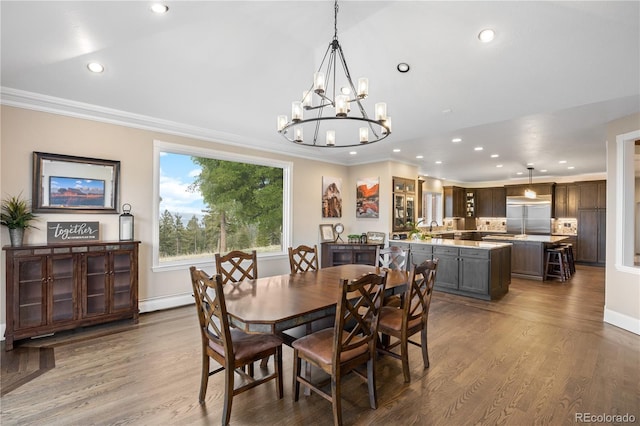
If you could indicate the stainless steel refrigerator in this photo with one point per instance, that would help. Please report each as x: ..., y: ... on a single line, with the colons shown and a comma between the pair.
x: 529, y: 216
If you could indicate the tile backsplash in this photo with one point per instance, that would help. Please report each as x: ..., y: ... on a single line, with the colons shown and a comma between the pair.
x: 564, y: 226
x: 498, y: 224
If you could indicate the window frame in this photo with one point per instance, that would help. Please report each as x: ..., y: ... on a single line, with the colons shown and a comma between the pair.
x: 161, y: 146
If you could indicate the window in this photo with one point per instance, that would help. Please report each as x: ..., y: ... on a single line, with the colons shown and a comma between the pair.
x: 628, y: 202
x: 211, y: 201
x: 432, y: 207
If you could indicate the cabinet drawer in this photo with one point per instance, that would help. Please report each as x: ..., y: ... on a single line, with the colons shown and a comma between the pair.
x: 451, y: 251
x: 475, y: 253
x: 421, y: 248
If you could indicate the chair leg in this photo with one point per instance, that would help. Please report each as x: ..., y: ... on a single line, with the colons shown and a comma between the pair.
x: 296, y: 374
x: 425, y: 349
x: 264, y: 362
x: 371, y: 381
x: 336, y: 400
x: 228, y: 394
x: 404, y: 356
x: 278, y: 366
x: 204, y: 381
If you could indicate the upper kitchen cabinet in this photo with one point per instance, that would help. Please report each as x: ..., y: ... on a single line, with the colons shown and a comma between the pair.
x: 491, y: 202
x: 592, y: 194
x: 454, y: 201
x: 539, y: 188
x: 404, y: 204
x: 566, y: 200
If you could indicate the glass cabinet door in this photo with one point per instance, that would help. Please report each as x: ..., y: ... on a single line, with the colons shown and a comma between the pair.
x: 410, y: 210
x: 31, y: 309
x: 95, y: 286
x: 122, y: 280
x: 398, y: 211
x: 61, y: 277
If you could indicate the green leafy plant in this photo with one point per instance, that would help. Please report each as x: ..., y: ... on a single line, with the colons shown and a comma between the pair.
x: 16, y: 213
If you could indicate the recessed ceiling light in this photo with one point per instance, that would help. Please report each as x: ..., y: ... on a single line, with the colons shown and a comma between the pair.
x: 95, y: 67
x: 447, y: 111
x: 403, y: 67
x: 494, y: 156
x: 456, y: 140
x: 487, y: 35
x: 499, y: 165
x: 396, y: 150
x: 562, y: 161
x: 438, y: 162
x: 353, y: 152
x: 529, y: 164
x: 519, y: 173
x: 478, y: 148
x: 159, y: 8
x: 419, y: 156
x: 345, y: 90
x: 543, y: 170
x: 571, y: 167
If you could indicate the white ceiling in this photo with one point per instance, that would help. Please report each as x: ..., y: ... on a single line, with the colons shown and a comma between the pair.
x: 543, y: 91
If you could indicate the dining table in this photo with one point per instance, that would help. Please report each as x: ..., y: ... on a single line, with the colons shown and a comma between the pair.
x: 282, y: 302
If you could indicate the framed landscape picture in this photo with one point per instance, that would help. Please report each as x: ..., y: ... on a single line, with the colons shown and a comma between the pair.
x: 74, y: 184
x: 367, y: 197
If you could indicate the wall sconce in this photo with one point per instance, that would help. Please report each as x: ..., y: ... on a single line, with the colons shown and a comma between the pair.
x: 126, y: 223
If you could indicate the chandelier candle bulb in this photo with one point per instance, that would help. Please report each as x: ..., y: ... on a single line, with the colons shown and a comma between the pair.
x: 298, y: 135
x: 364, y: 135
x: 306, y: 98
x: 282, y: 121
x: 363, y: 87
x: 381, y: 111
x: 342, y: 105
x: 387, y: 122
x: 318, y: 82
x: 331, y: 137
x: 296, y: 111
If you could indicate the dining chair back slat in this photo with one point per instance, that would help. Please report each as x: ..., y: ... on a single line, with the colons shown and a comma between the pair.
x: 237, y: 266
x: 303, y: 258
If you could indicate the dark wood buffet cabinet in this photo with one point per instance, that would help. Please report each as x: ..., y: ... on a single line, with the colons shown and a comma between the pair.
x: 63, y: 286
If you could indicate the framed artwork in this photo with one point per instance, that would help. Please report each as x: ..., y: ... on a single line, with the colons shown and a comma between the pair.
x: 74, y: 184
x: 368, y: 197
x: 326, y: 233
x: 331, y: 197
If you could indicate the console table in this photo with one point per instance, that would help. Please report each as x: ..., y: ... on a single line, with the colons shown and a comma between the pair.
x: 63, y: 286
x: 334, y: 254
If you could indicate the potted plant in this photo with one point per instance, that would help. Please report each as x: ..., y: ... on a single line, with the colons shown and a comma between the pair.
x: 16, y: 215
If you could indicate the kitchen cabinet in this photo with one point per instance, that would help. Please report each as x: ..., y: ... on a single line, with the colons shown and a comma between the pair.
x: 334, y: 254
x: 591, y: 236
x: 491, y: 202
x: 454, y: 201
x: 404, y: 204
x: 57, y: 287
x: 592, y: 194
x: 566, y: 201
x: 464, y: 269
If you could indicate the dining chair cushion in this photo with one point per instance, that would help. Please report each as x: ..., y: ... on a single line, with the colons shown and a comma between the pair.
x: 248, y: 346
x: 391, y: 319
x: 318, y: 347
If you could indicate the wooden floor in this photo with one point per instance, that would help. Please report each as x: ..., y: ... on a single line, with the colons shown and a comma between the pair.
x: 538, y: 356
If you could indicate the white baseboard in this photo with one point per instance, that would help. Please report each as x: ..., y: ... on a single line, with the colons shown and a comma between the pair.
x: 621, y: 320
x: 148, y: 305
x: 167, y: 302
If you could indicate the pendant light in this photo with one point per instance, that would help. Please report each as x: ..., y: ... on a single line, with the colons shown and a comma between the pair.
x: 530, y: 193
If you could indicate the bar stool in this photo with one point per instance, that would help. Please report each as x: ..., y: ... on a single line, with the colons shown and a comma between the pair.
x: 568, y: 247
x: 554, y: 265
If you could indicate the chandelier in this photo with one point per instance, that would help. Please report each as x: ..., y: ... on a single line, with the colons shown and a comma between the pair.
x: 328, y: 103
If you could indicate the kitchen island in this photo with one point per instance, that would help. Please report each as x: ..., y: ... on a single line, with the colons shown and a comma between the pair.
x: 478, y: 269
x: 528, y: 253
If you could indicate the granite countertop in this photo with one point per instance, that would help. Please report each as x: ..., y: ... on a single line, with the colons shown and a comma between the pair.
x: 528, y: 238
x: 485, y: 245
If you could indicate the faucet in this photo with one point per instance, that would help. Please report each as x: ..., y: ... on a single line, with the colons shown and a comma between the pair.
x: 431, y: 225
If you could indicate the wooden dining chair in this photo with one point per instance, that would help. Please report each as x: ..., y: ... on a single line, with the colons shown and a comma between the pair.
x: 303, y: 258
x: 396, y: 259
x: 400, y: 323
x: 349, y: 344
x: 393, y: 258
x: 231, y: 348
x: 237, y: 266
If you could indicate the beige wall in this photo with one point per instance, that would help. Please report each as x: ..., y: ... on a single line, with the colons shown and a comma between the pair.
x: 24, y: 131
x: 622, y: 289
